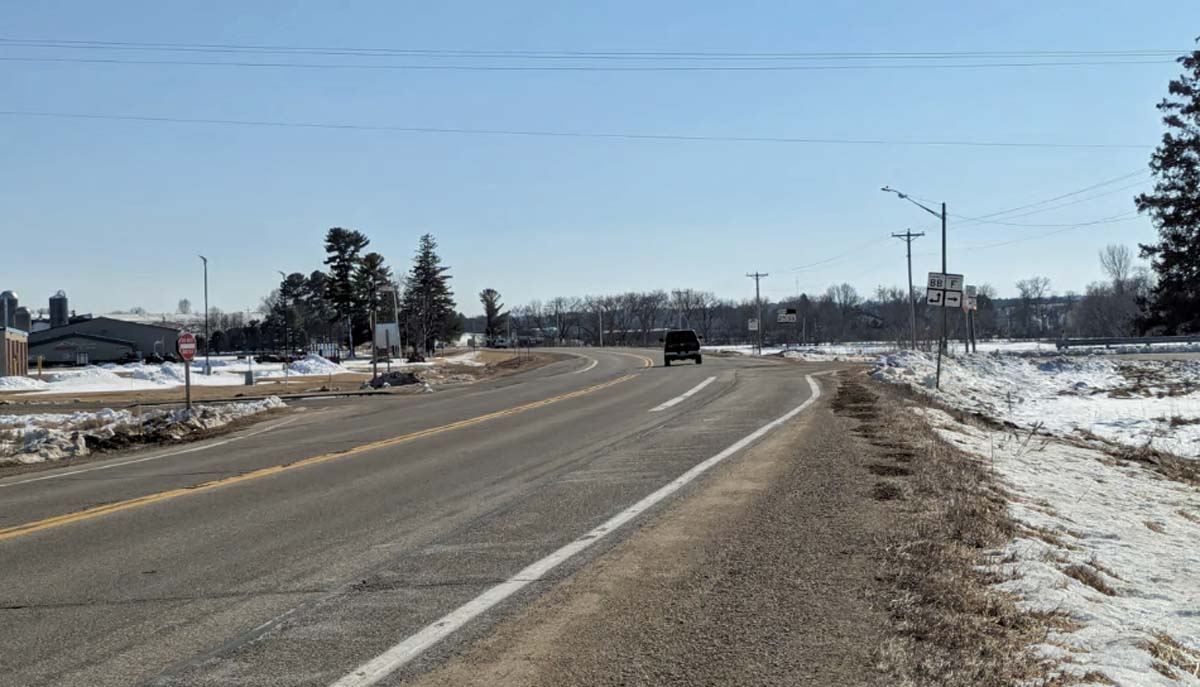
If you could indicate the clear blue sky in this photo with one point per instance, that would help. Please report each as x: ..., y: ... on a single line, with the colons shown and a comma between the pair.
x: 116, y: 211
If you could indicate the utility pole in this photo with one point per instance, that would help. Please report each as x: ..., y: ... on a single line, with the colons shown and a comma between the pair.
x: 908, y: 238
x: 287, y: 349
x: 758, y: 305
x: 207, y: 346
x: 374, y: 348
x: 601, y: 312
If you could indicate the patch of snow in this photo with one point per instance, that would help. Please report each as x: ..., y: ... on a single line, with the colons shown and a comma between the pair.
x: 52, y: 436
x: 1136, y: 403
x: 316, y: 365
x: 468, y: 359
x: 21, y: 384
x: 1139, y: 532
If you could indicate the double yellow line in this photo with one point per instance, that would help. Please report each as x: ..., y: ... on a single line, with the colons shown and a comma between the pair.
x: 118, y: 506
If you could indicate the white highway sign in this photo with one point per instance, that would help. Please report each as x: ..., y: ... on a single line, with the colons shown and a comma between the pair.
x: 944, y: 290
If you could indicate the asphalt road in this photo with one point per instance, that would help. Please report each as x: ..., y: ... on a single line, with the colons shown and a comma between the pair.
x: 293, y: 552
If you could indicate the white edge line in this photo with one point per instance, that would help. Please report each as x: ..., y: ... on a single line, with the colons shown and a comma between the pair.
x: 157, y: 456
x: 682, y: 397
x: 393, y: 659
x: 590, y: 366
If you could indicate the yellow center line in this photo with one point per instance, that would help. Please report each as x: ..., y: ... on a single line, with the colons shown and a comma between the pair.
x: 118, y: 506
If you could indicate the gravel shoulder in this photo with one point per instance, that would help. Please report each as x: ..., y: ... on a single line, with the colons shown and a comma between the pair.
x: 766, y: 574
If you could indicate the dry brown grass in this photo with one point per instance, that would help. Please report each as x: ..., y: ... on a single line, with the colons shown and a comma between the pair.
x: 1168, y: 653
x: 1089, y: 576
x: 954, y: 628
x: 1188, y: 515
x: 1166, y: 464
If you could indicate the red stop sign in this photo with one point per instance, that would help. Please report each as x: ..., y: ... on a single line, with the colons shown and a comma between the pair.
x: 186, y: 346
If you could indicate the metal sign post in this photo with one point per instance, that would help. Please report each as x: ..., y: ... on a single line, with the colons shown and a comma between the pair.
x: 943, y: 291
x: 186, y: 347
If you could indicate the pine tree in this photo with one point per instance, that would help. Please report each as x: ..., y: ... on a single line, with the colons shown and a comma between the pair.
x: 372, y: 281
x: 343, y: 247
x: 1174, y: 206
x: 493, y: 313
x: 428, y: 307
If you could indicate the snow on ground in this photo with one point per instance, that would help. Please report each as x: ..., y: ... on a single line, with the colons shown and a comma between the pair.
x: 315, y: 365
x: 865, y: 352
x: 53, y: 436
x: 468, y: 359
x: 226, y: 371
x: 1134, y: 531
x: 1131, y: 402
x: 1113, y: 544
x: 21, y: 384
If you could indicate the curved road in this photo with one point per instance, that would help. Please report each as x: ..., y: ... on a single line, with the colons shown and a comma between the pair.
x: 296, y: 551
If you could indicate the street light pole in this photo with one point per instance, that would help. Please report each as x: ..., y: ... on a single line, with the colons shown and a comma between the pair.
x: 207, y: 344
x: 945, y: 315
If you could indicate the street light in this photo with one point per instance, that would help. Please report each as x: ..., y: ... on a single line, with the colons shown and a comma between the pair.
x: 945, y: 314
x: 207, y: 346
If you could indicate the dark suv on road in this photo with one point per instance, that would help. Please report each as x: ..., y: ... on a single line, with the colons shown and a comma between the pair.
x: 681, y: 344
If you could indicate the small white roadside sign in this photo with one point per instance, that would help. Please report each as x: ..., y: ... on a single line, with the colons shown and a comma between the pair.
x: 944, y: 290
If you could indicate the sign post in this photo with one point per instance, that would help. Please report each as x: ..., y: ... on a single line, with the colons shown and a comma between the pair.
x: 186, y: 347
x: 943, y: 290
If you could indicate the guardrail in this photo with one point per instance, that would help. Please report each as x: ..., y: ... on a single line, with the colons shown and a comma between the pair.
x: 1108, y: 342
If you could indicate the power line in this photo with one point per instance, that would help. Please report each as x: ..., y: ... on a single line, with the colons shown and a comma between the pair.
x: 573, y: 68
x: 577, y: 54
x: 1056, y: 207
x: 1034, y: 237
x: 980, y: 218
x: 562, y: 134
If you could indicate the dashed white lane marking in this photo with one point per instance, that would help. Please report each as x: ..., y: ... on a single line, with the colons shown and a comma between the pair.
x: 157, y: 456
x: 396, y: 657
x: 684, y: 396
x: 590, y: 366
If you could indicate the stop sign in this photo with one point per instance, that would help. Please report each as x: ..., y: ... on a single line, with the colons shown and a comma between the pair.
x: 186, y: 346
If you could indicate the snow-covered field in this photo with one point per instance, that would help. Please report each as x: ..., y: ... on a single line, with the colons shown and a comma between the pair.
x: 1136, y: 403
x: 1112, y: 543
x: 53, y: 436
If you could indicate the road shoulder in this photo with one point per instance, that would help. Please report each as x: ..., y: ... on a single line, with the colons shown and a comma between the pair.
x: 765, y: 574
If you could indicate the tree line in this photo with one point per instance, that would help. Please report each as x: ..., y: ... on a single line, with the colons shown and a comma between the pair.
x: 1109, y: 307
x: 340, y: 304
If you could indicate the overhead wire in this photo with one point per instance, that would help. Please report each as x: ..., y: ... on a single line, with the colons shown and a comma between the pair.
x: 562, y: 134
x: 573, y: 68
x: 678, y: 55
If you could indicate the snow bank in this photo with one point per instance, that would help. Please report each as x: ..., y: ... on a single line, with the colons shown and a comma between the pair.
x: 1138, y: 533
x: 21, y: 384
x: 53, y: 436
x: 316, y: 365
x: 1137, y: 403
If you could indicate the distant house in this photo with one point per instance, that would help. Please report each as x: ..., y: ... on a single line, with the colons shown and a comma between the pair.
x: 102, y: 340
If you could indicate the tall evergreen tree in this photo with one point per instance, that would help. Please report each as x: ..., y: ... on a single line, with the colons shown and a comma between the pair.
x: 493, y: 313
x: 319, y: 313
x: 1174, y: 206
x: 428, y: 307
x: 372, y: 279
x: 342, y: 248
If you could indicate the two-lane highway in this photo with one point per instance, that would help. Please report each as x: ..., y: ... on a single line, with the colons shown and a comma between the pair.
x: 297, y: 555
